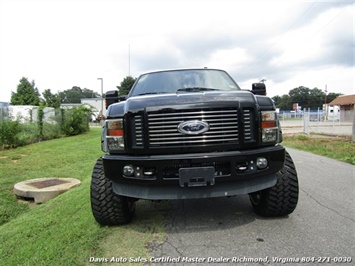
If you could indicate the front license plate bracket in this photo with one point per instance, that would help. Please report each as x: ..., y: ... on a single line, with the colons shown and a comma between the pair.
x: 197, y: 176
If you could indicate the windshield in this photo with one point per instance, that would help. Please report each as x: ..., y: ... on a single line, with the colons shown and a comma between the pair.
x: 177, y: 81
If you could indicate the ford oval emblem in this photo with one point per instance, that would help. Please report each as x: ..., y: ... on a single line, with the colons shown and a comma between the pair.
x: 193, y: 127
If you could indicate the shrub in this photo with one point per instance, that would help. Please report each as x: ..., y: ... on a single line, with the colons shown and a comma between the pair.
x: 66, y: 122
x: 51, y: 131
x: 28, y: 133
x: 9, y: 130
x: 40, y: 116
x: 76, y: 120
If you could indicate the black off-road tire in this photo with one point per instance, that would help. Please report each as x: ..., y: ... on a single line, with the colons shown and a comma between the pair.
x: 281, y: 199
x: 107, y: 207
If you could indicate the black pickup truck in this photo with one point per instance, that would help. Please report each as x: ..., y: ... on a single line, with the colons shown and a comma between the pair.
x: 191, y: 133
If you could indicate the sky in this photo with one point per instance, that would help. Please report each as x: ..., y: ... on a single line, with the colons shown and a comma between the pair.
x: 66, y: 43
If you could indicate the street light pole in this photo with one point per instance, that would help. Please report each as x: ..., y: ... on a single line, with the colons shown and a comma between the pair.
x: 102, y: 96
x: 325, y: 104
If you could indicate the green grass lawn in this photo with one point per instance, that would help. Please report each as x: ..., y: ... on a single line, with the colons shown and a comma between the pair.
x: 342, y: 149
x: 63, y: 230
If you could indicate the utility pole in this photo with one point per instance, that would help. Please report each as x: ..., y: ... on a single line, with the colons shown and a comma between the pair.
x: 129, y: 60
x: 102, y: 96
x: 325, y: 104
x: 353, y: 138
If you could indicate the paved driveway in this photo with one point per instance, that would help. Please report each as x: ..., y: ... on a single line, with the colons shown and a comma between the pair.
x: 227, y: 231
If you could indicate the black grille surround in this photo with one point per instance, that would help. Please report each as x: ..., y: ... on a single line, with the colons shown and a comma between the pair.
x: 156, y: 131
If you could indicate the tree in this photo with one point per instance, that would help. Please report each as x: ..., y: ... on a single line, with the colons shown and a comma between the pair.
x: 316, y: 98
x: 50, y: 99
x: 282, y: 102
x: 305, y: 97
x: 75, y: 94
x: 70, y: 96
x: 331, y: 96
x: 300, y: 95
x: 126, y: 85
x: 89, y: 93
x: 26, y: 94
x: 276, y: 99
x: 285, y: 103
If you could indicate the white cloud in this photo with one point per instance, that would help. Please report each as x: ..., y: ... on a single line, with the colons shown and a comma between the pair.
x: 232, y: 58
x: 311, y: 43
x: 61, y: 44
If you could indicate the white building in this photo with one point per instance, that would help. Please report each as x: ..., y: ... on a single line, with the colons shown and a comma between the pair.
x: 29, y: 113
x: 97, y: 104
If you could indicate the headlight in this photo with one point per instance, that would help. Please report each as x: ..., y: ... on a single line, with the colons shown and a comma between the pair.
x: 269, y: 127
x: 114, y: 135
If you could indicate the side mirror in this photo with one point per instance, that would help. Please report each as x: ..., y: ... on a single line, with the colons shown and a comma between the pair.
x: 122, y: 98
x: 258, y: 89
x: 111, y: 97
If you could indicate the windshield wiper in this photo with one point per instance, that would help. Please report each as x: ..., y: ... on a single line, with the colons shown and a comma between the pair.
x: 148, y: 93
x: 196, y: 89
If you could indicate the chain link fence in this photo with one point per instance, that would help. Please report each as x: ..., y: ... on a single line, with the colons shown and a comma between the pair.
x: 314, y: 122
x: 22, y: 125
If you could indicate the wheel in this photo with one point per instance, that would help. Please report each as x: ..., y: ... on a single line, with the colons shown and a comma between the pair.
x: 107, y: 207
x: 281, y: 199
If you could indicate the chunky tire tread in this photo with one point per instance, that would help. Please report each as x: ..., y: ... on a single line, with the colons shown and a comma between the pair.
x: 107, y: 207
x: 281, y: 199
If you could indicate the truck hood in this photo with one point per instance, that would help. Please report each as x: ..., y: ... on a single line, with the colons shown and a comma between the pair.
x: 139, y: 103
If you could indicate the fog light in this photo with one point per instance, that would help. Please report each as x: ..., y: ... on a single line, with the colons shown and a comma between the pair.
x: 261, y: 163
x: 128, y: 170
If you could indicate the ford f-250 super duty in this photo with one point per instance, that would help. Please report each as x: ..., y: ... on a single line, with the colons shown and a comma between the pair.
x: 191, y: 133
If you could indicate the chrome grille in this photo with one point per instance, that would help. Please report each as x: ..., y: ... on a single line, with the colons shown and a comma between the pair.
x: 223, y: 127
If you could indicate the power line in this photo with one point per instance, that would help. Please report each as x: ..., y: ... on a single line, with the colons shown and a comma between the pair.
x: 330, y: 21
x: 305, y: 41
x: 289, y: 28
x: 259, y: 57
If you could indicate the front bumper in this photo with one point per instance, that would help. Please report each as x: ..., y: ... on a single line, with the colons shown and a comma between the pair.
x: 167, y: 176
